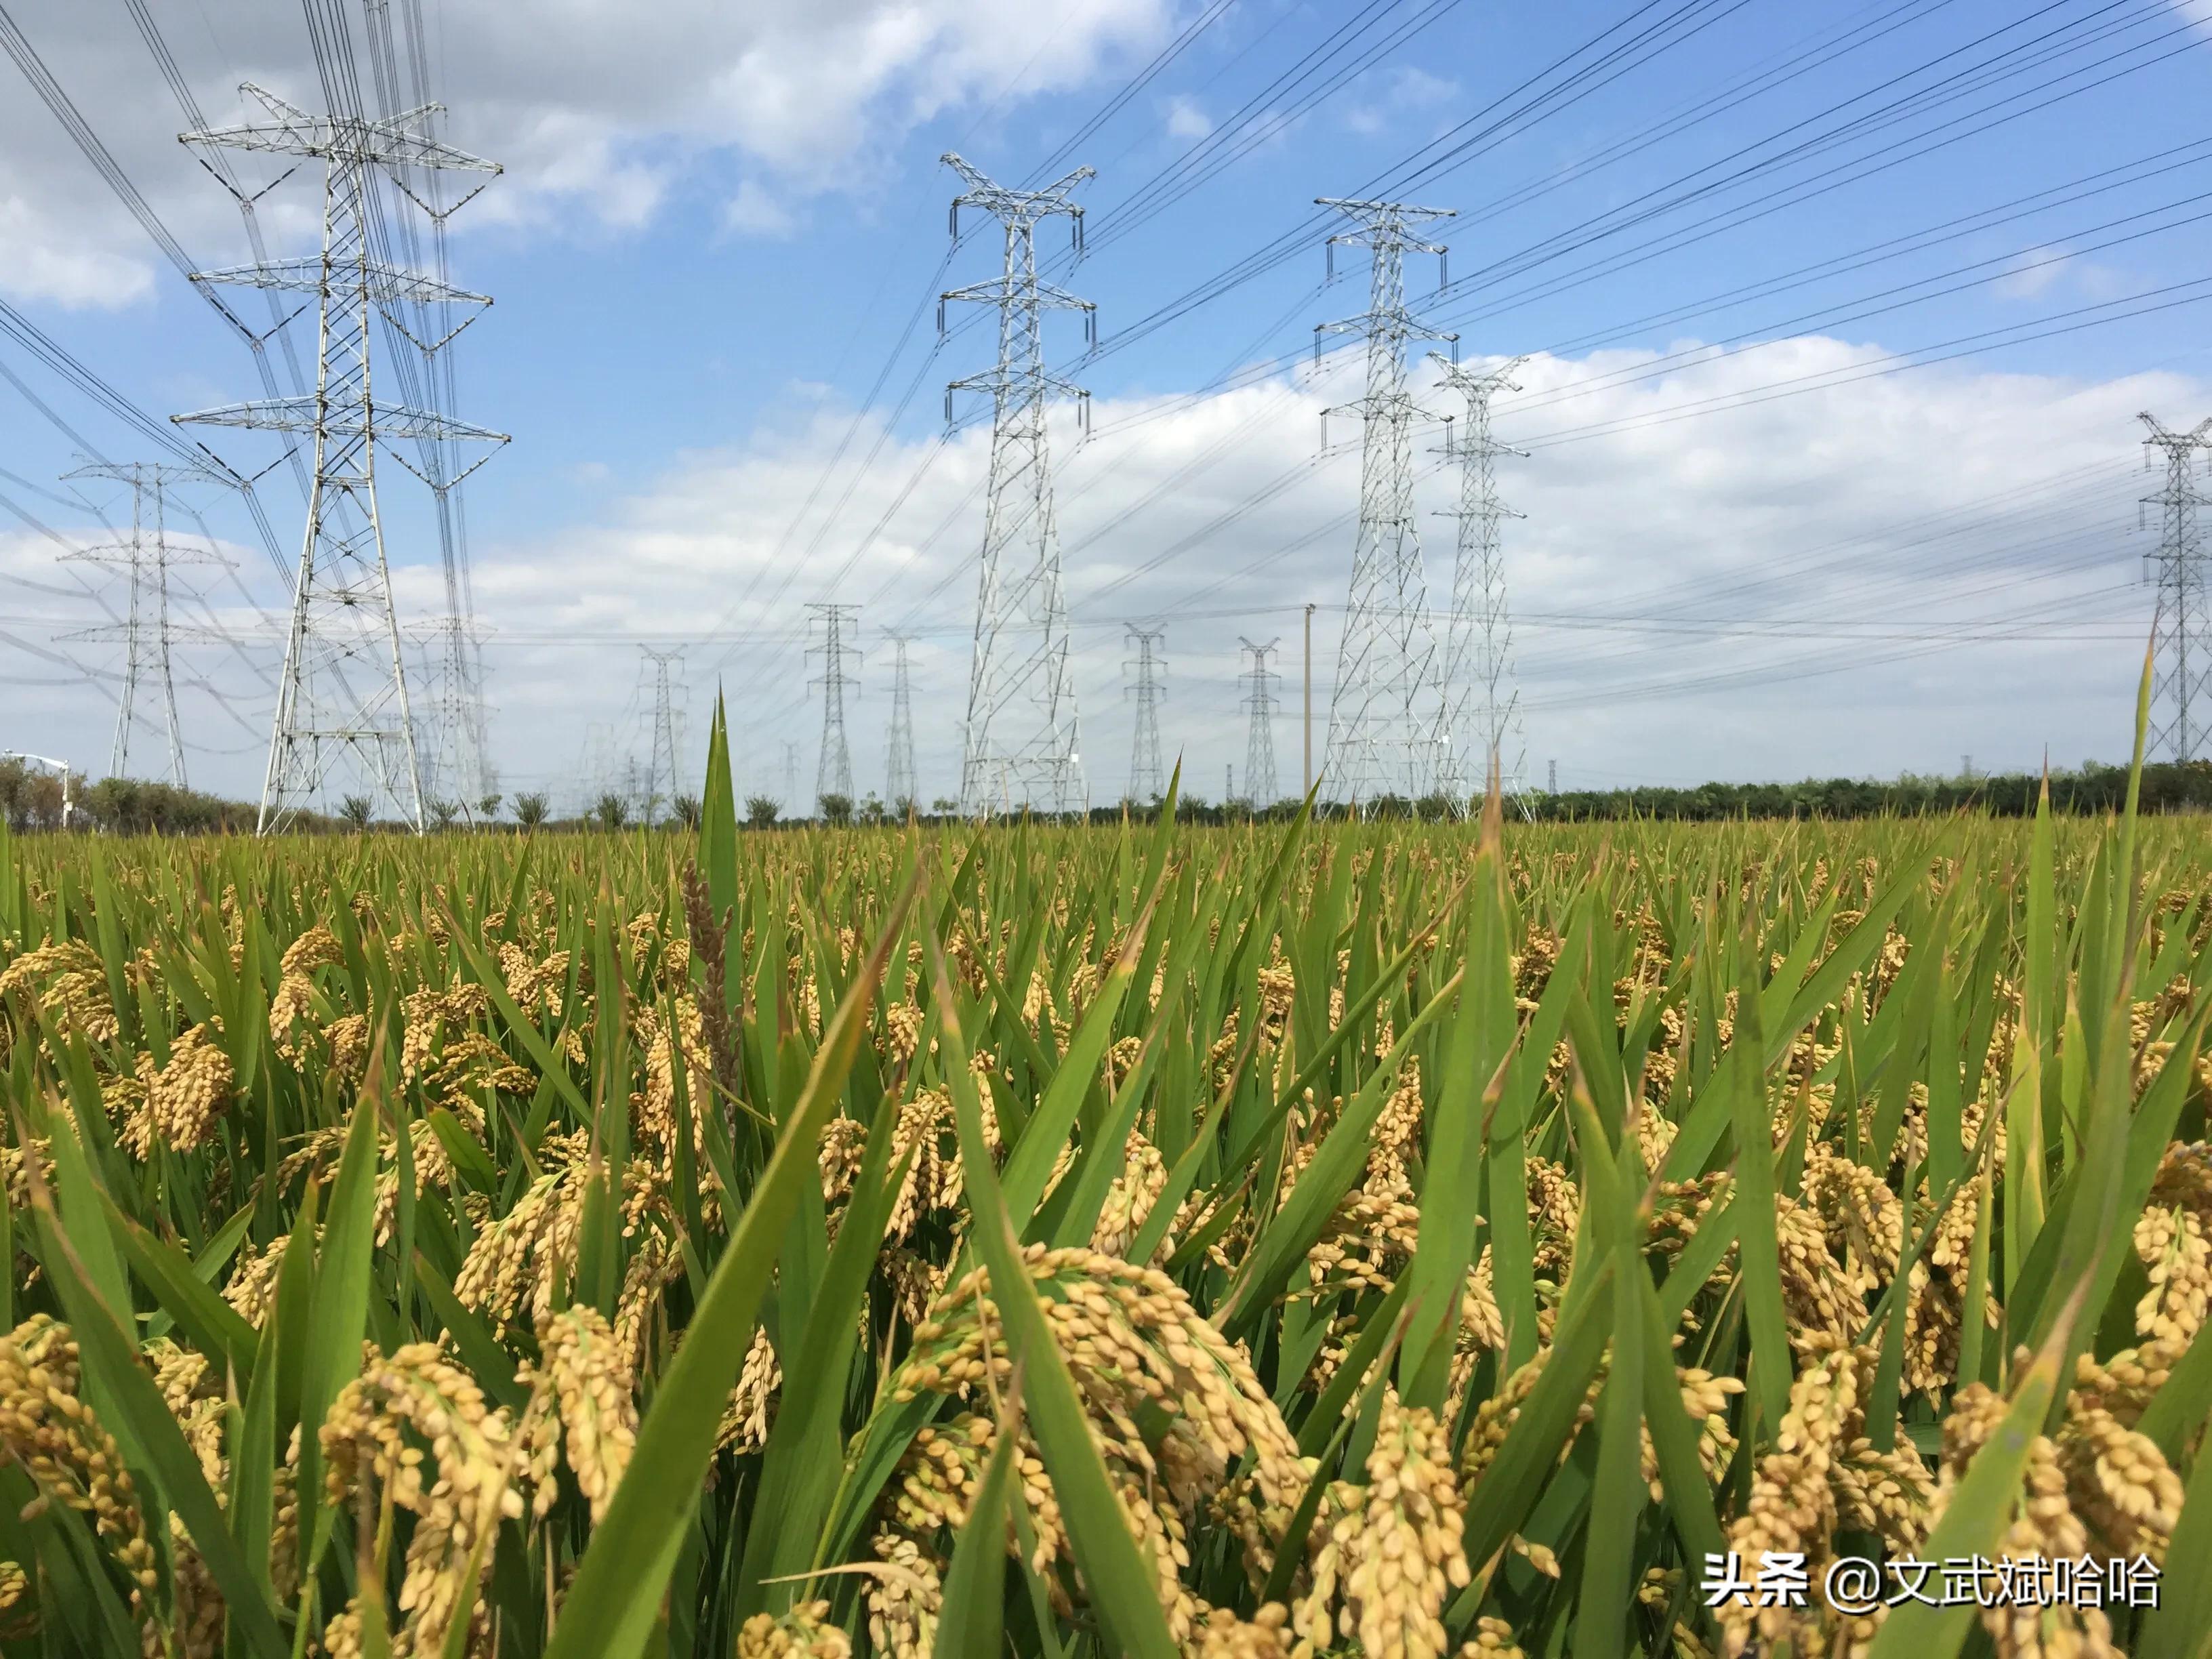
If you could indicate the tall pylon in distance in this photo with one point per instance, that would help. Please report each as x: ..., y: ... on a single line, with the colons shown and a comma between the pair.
x: 147, y: 629
x: 1259, y: 680
x: 2181, y: 687
x: 1481, y: 707
x: 660, y: 783
x: 833, y: 769
x: 1022, y: 747
x: 342, y: 699
x: 898, y: 765
x: 1147, y: 777
x: 1383, y: 719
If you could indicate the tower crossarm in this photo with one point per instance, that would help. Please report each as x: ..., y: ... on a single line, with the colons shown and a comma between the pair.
x: 382, y: 420
x: 387, y: 284
x: 396, y: 141
x: 1002, y: 290
x: 1023, y: 207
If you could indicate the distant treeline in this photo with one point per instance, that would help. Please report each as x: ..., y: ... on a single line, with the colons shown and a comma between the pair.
x: 32, y: 800
x: 2166, y: 787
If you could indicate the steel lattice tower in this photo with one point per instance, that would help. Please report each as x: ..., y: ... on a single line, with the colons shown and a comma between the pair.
x: 1147, y: 778
x: 343, y: 693
x: 833, y: 771
x: 898, y: 765
x: 147, y: 629
x: 1382, y: 720
x: 1260, y: 787
x: 1481, y: 712
x: 660, y: 779
x: 1022, y: 747
x: 2182, y: 633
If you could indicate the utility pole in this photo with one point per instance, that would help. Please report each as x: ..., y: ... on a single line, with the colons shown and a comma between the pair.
x: 791, y: 776
x: 1309, y: 721
x: 343, y: 697
x: 147, y: 630
x: 1552, y: 778
x: 1480, y: 720
x: 1022, y: 743
x: 2181, y: 689
x: 1259, y: 727
x: 660, y: 781
x: 1383, y: 720
x: 833, y: 772
x: 1147, y: 778
x: 898, y: 769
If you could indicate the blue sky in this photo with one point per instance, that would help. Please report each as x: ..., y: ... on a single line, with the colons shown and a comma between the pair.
x: 1805, y: 493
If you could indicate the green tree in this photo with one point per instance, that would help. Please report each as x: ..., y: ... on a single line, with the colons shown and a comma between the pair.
x: 688, y: 810
x: 357, y: 811
x: 530, y: 810
x: 612, y: 810
x: 836, y: 810
x: 762, y: 810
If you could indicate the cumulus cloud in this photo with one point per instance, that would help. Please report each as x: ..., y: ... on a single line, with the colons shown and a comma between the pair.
x: 1897, y: 571
x: 1891, y: 572
x: 596, y: 108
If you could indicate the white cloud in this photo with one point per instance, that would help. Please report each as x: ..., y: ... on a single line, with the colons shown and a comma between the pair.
x: 1676, y: 584
x: 43, y: 266
x: 596, y: 108
x: 1901, y: 505
x: 1186, y: 119
x: 2032, y: 273
x: 753, y: 212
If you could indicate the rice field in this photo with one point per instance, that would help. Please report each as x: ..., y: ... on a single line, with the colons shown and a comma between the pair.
x: 1406, y: 1239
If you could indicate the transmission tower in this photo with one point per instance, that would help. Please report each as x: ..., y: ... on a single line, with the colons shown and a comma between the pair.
x: 147, y: 630
x: 833, y: 772
x: 343, y: 699
x: 1383, y: 720
x: 1022, y: 747
x: 2182, y: 689
x: 791, y: 776
x: 1481, y: 712
x: 660, y: 779
x: 1147, y: 778
x: 1260, y: 735
x: 898, y: 768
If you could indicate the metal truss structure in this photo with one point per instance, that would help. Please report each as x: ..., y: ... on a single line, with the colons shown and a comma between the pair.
x: 1022, y: 747
x: 342, y: 703
x: 1382, y: 720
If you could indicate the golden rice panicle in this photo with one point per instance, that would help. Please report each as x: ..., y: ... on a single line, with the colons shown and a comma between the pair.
x: 581, y: 1393
x: 523, y: 1252
x: 473, y: 1463
x: 1223, y: 1635
x: 186, y: 1099
x: 1396, y: 1542
x: 905, y: 1594
x: 804, y: 1632
x: 70, y: 1456
x: 2173, y: 1240
x: 76, y: 996
x: 1493, y: 1639
x: 1129, y: 1201
x: 1792, y: 1503
x: 751, y: 1410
